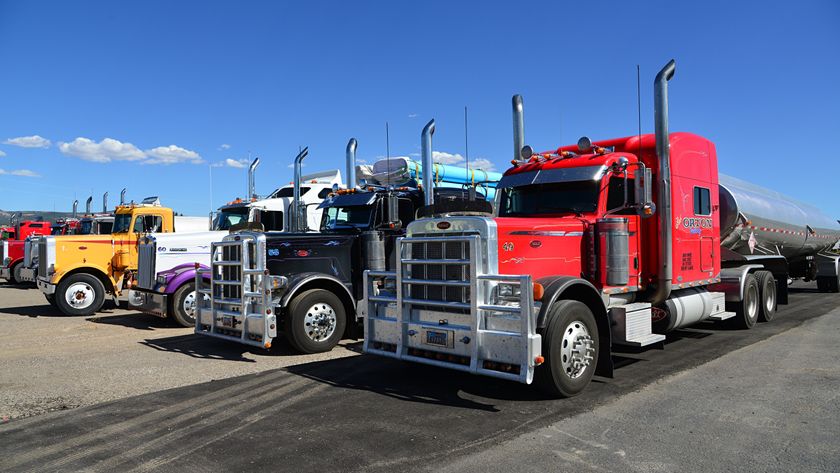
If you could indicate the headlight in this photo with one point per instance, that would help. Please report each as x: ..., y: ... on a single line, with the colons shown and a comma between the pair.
x: 277, y: 282
x: 161, y: 279
x: 508, y: 291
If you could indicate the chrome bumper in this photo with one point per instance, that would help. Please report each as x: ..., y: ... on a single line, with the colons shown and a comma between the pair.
x: 149, y: 302
x: 46, y: 287
x: 28, y: 274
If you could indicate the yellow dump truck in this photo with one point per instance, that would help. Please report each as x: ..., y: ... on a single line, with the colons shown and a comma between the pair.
x: 76, y: 272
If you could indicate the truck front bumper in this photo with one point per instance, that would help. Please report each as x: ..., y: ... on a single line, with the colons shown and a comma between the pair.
x: 28, y: 274
x: 5, y: 273
x: 46, y: 287
x: 149, y: 302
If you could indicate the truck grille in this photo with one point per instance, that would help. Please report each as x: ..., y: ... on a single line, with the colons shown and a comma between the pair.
x: 146, y: 265
x: 231, y: 273
x: 27, y: 253
x: 43, y: 264
x: 439, y: 261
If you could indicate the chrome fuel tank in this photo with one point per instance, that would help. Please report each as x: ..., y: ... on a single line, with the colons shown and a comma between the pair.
x: 755, y: 220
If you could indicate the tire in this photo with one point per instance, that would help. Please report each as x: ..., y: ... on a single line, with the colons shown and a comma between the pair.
x: 85, y: 289
x: 182, y: 311
x: 315, y: 321
x: 16, y: 273
x: 828, y: 284
x: 767, y: 295
x: 51, y: 299
x: 748, y: 308
x: 568, y: 322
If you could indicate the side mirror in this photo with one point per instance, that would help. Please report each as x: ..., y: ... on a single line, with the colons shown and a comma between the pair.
x: 644, y: 192
x: 392, y: 211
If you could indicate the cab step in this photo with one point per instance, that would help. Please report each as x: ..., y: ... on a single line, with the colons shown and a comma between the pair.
x: 632, y: 326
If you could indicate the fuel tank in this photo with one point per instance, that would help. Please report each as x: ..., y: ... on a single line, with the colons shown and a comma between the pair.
x: 755, y: 220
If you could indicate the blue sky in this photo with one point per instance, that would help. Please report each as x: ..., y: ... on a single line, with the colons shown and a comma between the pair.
x: 115, y: 90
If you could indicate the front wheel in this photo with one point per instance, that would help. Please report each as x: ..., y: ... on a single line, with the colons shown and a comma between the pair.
x: 315, y: 321
x: 80, y: 294
x: 570, y: 348
x: 184, y: 305
x: 16, y: 277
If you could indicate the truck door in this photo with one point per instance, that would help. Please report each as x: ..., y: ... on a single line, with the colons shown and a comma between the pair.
x: 142, y: 224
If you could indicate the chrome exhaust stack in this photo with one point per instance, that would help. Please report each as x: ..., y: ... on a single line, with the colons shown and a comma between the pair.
x: 252, y: 183
x: 297, y: 211
x: 427, y: 162
x: 87, y: 205
x: 122, y: 196
x: 518, y: 127
x: 351, y: 163
x: 665, y: 273
x: 105, y: 203
x: 75, y: 208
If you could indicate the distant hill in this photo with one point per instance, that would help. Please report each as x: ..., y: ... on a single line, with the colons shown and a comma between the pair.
x: 7, y: 215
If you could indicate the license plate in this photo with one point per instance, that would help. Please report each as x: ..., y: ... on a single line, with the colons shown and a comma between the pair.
x: 228, y: 321
x: 438, y: 338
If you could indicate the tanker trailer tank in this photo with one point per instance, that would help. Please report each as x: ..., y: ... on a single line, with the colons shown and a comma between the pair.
x: 759, y: 221
x: 396, y: 171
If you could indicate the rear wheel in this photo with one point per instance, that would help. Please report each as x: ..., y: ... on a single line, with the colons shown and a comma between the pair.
x: 767, y: 294
x: 747, y: 309
x: 315, y: 321
x: 570, y: 348
x: 80, y: 294
x: 183, y: 305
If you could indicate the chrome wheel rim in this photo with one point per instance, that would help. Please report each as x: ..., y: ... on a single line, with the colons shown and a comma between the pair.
x: 770, y: 303
x: 189, y: 304
x: 752, y: 302
x: 577, y: 349
x: 320, y: 322
x: 80, y: 295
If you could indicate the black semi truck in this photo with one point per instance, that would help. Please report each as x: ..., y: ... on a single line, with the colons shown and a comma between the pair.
x: 306, y: 285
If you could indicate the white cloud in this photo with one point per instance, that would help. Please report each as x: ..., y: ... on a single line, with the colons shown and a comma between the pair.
x: 292, y: 166
x: 2, y: 154
x: 33, y: 141
x: 224, y: 146
x: 236, y: 163
x: 19, y: 172
x: 412, y: 115
x: 482, y: 163
x: 105, y: 151
x: 442, y: 157
x: 172, y: 155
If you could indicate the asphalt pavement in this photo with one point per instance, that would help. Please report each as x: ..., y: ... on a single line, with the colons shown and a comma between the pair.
x: 712, y: 399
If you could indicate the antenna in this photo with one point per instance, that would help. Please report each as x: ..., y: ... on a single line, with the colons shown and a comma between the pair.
x: 639, y: 107
x: 467, y: 155
x: 387, y: 150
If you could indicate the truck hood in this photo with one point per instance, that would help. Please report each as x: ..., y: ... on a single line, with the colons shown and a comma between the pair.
x: 541, y: 247
x: 289, y: 254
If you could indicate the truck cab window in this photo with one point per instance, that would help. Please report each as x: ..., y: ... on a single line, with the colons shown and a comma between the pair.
x: 702, y: 201
x: 615, y: 195
x: 148, y: 224
x: 324, y: 193
x: 272, y: 220
x: 550, y: 198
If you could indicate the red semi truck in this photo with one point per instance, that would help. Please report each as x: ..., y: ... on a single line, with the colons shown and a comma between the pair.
x: 611, y: 242
x: 12, y: 249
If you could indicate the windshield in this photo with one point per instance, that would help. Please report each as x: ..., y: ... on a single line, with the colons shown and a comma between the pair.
x: 122, y: 223
x: 85, y: 227
x: 230, y: 217
x: 550, y: 198
x: 337, y: 218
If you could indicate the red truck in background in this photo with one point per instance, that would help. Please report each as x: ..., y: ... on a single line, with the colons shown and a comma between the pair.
x: 12, y: 248
x: 612, y: 242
